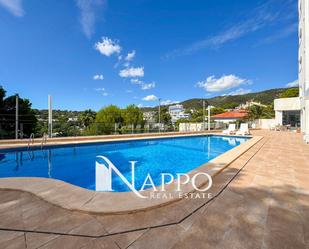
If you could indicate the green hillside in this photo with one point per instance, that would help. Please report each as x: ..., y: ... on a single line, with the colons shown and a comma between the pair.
x: 265, y: 97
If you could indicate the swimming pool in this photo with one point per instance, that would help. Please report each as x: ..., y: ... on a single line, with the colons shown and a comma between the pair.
x: 75, y: 164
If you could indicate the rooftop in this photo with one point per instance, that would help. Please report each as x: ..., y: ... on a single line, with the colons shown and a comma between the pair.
x: 232, y: 114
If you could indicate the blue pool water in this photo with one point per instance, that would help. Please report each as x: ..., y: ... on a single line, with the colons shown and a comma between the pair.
x: 76, y: 164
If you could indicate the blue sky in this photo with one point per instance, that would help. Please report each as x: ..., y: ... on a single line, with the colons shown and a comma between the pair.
x: 91, y: 53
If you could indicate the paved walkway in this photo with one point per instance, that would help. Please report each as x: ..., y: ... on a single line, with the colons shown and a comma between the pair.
x: 261, y: 201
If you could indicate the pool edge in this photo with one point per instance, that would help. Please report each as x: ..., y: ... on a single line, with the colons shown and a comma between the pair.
x: 75, y: 198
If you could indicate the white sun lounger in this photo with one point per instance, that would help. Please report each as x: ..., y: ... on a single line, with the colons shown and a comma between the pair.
x: 243, y: 130
x: 230, y: 130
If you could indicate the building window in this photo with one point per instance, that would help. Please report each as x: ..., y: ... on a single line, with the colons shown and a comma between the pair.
x: 291, y: 118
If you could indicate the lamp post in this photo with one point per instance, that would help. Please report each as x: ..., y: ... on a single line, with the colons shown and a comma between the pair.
x: 16, y: 117
x: 203, y: 115
x: 50, y: 117
x: 208, y: 108
x: 159, y: 114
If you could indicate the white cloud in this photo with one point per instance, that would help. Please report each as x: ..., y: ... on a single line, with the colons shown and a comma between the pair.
x: 143, y: 85
x: 132, y: 72
x: 168, y: 102
x: 136, y: 81
x: 140, y: 105
x: 89, y: 10
x: 107, y: 46
x: 286, y: 31
x: 150, y: 98
x: 147, y: 86
x: 130, y: 56
x: 212, y: 84
x: 101, y: 90
x: 239, y: 91
x: 261, y: 17
x: 13, y: 6
x: 126, y: 64
x: 98, y: 77
x: 294, y: 83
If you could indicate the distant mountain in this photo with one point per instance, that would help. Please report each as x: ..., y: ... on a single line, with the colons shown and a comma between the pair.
x: 265, y: 97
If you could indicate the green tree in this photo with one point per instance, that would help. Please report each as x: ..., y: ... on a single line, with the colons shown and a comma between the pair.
x: 216, y: 110
x: 182, y: 120
x: 27, y: 119
x: 86, y: 118
x: 2, y: 96
x: 63, y: 127
x: 197, y: 115
x: 231, y: 105
x: 258, y: 112
x: 132, y: 115
x: 255, y: 112
x: 165, y: 117
x: 105, y: 120
x: 290, y: 93
x: 41, y: 128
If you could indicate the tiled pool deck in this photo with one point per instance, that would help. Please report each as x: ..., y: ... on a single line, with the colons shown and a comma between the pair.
x: 74, y: 198
x: 262, y: 201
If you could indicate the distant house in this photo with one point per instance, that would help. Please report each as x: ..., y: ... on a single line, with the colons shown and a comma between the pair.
x: 72, y: 119
x: 248, y: 104
x: 149, y: 117
x: 177, y: 112
x: 230, y: 117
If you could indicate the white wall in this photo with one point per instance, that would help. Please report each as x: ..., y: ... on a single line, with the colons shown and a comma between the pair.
x: 306, y: 121
x: 226, y: 121
x: 303, y: 65
x: 183, y: 127
x: 287, y: 104
x: 278, y: 117
x: 265, y: 123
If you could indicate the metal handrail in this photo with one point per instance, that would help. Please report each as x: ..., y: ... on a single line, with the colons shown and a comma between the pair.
x: 44, y: 140
x: 31, y: 140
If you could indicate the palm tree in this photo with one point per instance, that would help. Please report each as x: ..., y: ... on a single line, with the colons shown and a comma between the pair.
x: 255, y: 112
x: 258, y: 112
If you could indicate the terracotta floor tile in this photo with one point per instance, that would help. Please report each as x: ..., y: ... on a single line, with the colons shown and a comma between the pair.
x: 265, y: 206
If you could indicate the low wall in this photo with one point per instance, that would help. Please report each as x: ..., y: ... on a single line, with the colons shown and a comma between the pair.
x: 191, y: 127
x: 265, y: 123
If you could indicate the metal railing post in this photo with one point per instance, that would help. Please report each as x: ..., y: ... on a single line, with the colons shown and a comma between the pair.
x: 16, y: 117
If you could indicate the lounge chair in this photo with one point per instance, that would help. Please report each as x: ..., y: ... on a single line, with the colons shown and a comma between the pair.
x: 230, y: 130
x: 243, y: 130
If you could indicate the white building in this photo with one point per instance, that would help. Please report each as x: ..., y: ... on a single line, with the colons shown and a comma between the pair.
x: 287, y: 111
x: 149, y: 117
x: 295, y: 111
x: 72, y: 119
x: 176, y: 112
x: 248, y: 104
x: 303, y: 66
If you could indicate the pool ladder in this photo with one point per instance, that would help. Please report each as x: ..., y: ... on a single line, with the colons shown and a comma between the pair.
x: 31, y: 140
x: 44, y: 140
